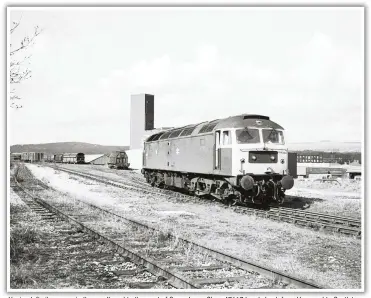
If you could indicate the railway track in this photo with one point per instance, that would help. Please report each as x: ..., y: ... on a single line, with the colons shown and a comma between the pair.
x: 320, y: 221
x: 133, y: 275
x: 181, y: 262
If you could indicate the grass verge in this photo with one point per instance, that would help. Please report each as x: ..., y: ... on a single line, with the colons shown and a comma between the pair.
x: 25, y: 232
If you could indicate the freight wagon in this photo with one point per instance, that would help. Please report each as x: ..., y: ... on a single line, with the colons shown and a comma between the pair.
x: 49, y: 157
x: 32, y: 156
x: 73, y: 158
x: 58, y: 158
x: 36, y: 156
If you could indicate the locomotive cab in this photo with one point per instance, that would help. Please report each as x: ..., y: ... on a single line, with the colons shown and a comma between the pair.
x: 261, y: 146
x: 257, y: 157
x: 251, y: 148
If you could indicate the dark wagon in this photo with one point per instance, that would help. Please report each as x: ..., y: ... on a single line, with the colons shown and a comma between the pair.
x: 118, y: 160
x: 58, y: 158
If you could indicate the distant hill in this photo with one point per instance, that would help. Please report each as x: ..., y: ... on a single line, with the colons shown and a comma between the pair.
x: 88, y: 148
x: 327, y: 146
x: 66, y: 147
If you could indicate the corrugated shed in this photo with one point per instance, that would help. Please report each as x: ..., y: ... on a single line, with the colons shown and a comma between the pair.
x: 91, y: 157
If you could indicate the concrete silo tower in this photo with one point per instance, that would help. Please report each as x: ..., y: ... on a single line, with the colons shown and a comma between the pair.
x: 142, y: 118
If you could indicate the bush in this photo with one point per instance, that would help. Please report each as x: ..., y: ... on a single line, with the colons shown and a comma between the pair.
x: 21, y: 276
x: 16, y: 174
x: 18, y: 208
x: 20, y: 236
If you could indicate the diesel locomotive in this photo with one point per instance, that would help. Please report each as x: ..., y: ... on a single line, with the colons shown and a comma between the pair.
x: 240, y: 159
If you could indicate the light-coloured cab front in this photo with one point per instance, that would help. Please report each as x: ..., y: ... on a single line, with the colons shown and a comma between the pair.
x: 250, y: 150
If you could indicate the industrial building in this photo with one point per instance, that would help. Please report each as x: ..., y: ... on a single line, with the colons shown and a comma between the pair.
x: 141, y: 118
x: 328, y: 157
x: 141, y: 126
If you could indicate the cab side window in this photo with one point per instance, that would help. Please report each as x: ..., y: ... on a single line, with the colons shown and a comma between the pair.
x: 217, y: 137
x: 227, y: 137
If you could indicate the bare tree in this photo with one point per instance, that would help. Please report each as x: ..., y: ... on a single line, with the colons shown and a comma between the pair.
x: 18, y: 58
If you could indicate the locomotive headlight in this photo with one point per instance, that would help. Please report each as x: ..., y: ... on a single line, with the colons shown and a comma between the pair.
x: 253, y: 157
x: 273, y: 158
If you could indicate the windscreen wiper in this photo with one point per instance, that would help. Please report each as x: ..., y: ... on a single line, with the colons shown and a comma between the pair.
x: 268, y: 138
x: 249, y: 135
x: 273, y: 129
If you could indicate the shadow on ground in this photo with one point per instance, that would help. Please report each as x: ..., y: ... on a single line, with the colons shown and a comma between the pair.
x: 296, y: 202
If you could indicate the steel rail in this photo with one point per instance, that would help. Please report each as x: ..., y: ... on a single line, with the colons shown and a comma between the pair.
x: 301, y: 220
x: 348, y: 220
x: 173, y: 278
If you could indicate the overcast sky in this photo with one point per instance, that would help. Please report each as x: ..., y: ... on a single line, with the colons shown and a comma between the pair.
x: 303, y: 67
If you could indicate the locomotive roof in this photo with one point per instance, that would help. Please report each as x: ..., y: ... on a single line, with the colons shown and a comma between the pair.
x: 244, y: 120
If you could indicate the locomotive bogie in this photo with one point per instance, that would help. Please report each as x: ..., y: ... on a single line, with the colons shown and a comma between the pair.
x: 263, y: 189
